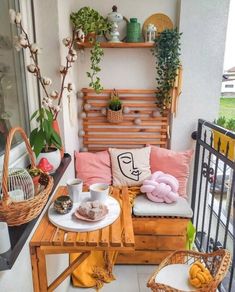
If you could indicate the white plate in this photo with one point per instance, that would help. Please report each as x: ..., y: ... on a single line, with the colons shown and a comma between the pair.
x: 69, y: 222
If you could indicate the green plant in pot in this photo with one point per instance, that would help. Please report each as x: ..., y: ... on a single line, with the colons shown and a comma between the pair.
x: 114, y: 114
x: 167, y: 53
x: 44, y: 140
x: 92, y: 23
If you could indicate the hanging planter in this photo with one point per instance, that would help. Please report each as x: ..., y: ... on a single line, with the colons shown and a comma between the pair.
x: 115, y: 109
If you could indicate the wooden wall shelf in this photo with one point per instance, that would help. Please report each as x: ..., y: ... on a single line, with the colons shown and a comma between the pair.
x: 117, y: 45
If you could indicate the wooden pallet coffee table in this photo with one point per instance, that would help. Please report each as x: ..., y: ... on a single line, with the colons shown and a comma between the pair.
x: 48, y: 239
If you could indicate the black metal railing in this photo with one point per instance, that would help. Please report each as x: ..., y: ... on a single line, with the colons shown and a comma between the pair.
x: 213, y: 193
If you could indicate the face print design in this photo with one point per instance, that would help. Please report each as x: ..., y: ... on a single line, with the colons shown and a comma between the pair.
x: 127, y: 167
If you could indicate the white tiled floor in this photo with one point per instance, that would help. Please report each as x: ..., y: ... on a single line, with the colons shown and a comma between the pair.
x: 129, y: 278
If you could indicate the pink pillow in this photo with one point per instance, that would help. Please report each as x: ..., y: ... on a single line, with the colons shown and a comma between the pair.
x: 93, y: 167
x: 174, y: 163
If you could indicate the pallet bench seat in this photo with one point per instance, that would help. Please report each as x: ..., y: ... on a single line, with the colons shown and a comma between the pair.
x: 159, y: 229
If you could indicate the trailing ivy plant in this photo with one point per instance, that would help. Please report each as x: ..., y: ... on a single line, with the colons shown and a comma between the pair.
x: 96, y: 55
x: 167, y: 53
x: 91, y: 22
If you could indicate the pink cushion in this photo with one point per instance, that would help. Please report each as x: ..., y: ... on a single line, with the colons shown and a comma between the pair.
x: 93, y: 167
x: 174, y: 163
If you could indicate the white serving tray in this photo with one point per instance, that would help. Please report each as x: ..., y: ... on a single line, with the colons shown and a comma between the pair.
x: 69, y: 222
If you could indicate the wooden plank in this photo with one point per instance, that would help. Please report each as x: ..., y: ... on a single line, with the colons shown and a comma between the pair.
x: 122, y: 97
x: 58, y: 238
x: 104, y: 239
x: 124, y: 142
x: 160, y: 226
x: 127, y: 220
x: 42, y: 269
x: 151, y: 242
x: 116, y: 228
x: 39, y: 232
x: 122, y: 136
x: 142, y: 257
x: 144, y: 123
x: 70, y: 238
x: 119, y: 45
x: 93, y: 238
x: 136, y: 105
x: 130, y: 91
x: 35, y: 271
x: 127, y: 118
x: 48, y: 235
x: 119, y: 130
x: 81, y: 238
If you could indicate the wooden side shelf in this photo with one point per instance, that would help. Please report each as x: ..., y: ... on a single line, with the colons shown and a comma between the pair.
x: 117, y: 45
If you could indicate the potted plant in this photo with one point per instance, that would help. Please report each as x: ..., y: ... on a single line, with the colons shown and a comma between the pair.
x: 92, y: 24
x: 45, y: 138
x: 114, y: 114
x: 225, y: 140
x: 167, y: 52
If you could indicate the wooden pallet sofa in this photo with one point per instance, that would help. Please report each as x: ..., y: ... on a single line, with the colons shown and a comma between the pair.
x: 156, y: 234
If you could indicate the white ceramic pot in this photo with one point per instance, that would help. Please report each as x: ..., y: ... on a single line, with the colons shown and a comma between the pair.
x: 54, y: 158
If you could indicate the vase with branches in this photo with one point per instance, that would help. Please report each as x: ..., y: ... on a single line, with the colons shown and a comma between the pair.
x: 44, y: 136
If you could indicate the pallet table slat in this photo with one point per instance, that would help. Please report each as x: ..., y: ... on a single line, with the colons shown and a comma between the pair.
x: 81, y: 238
x: 116, y: 229
x: 58, y: 238
x: 104, y: 239
x: 128, y: 230
x: 93, y: 238
x: 70, y: 238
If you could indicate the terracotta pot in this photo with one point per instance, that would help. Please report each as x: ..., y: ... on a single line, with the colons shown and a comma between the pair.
x: 56, y: 127
x: 90, y: 37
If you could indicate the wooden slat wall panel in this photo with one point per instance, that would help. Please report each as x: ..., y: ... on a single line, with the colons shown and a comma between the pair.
x: 100, y: 134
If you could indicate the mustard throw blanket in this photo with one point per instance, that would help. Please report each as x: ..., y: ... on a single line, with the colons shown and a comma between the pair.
x: 97, y: 268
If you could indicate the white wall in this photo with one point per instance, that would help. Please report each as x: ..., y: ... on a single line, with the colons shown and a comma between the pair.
x: 203, y: 24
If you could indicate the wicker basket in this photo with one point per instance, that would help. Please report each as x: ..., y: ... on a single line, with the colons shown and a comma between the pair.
x: 17, y: 213
x: 217, y: 263
x: 115, y: 117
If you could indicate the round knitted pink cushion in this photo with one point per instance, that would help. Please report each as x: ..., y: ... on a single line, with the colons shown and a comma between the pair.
x: 161, y: 188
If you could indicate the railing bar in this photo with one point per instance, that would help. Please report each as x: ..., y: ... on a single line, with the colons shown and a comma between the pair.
x: 220, y: 203
x: 229, y: 210
x: 217, y: 128
x: 223, y: 158
x: 206, y: 189
x: 195, y: 172
x: 212, y: 201
x: 200, y: 188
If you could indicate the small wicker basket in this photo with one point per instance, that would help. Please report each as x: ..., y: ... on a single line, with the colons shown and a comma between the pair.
x: 217, y: 263
x: 17, y: 213
x: 114, y: 117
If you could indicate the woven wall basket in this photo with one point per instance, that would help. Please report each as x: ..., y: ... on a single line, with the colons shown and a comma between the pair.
x: 17, y: 213
x: 115, y: 117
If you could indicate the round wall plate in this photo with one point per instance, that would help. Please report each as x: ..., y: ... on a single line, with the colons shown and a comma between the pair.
x: 160, y: 20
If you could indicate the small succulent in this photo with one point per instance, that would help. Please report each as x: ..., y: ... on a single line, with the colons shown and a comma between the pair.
x: 115, y: 103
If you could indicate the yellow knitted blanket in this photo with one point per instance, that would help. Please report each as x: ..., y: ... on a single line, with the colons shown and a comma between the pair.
x: 97, y: 268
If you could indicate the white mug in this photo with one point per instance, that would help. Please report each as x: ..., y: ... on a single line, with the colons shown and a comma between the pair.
x: 99, y: 191
x: 5, y: 243
x: 75, y: 186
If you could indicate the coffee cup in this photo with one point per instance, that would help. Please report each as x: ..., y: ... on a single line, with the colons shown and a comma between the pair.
x: 99, y: 191
x: 75, y: 186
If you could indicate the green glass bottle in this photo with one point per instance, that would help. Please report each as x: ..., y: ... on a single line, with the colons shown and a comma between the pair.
x: 133, y: 31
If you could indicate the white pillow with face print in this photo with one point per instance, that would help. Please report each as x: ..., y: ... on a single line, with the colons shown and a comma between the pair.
x: 130, y: 167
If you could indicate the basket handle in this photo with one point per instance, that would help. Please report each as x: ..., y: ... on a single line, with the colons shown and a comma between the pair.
x: 6, y: 197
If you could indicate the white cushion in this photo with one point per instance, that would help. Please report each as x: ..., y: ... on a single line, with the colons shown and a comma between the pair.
x: 175, y: 276
x: 130, y: 167
x: 144, y: 207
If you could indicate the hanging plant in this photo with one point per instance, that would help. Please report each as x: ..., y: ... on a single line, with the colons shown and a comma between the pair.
x: 96, y: 55
x: 167, y: 52
x: 92, y: 24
